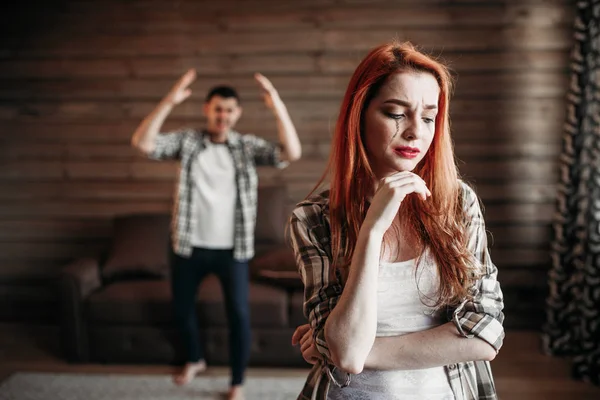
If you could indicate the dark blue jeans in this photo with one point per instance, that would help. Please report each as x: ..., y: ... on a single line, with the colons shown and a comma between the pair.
x: 186, y: 275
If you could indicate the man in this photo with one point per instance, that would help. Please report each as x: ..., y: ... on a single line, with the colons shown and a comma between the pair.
x: 215, y: 208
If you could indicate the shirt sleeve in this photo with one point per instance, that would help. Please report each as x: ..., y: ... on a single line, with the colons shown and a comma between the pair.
x: 481, y: 315
x: 167, y: 146
x: 265, y: 153
x: 310, y: 238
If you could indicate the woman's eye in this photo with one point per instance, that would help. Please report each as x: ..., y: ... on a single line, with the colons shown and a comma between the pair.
x: 395, y: 116
x: 428, y: 120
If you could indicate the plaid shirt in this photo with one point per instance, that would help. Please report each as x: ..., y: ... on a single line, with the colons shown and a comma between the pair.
x: 480, y: 316
x: 248, y: 152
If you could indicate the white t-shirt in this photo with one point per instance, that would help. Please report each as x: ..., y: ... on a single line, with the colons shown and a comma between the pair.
x: 402, y: 298
x: 214, y: 198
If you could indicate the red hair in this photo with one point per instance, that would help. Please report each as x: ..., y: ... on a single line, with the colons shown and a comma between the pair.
x: 437, y: 222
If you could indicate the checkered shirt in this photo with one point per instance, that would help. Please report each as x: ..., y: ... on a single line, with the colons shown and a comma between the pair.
x: 480, y: 316
x: 248, y: 152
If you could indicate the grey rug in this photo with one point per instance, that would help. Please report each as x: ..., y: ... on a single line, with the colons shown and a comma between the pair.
x: 64, y: 386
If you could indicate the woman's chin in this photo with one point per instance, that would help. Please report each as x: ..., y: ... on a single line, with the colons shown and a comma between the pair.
x: 405, y: 166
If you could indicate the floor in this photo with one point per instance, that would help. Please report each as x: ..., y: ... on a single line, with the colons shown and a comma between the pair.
x: 521, y: 371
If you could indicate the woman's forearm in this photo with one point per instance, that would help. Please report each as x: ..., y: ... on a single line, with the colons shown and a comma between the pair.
x: 351, y: 327
x: 434, y: 347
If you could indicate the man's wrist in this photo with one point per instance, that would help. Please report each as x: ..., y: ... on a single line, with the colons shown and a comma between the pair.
x: 279, y: 107
x: 167, y: 102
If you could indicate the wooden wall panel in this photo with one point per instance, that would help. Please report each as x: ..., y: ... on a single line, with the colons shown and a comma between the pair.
x: 73, y: 89
x: 298, y: 86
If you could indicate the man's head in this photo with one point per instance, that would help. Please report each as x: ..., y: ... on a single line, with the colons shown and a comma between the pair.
x: 222, y: 110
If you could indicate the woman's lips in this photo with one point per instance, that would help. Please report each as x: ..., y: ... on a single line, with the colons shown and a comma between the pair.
x: 407, y: 152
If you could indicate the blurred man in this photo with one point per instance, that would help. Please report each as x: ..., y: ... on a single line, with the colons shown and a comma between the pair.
x: 214, y: 213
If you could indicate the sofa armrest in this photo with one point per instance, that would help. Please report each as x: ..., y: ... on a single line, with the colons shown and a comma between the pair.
x: 76, y: 281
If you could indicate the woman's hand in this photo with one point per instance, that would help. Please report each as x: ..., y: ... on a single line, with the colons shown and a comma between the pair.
x: 389, y: 194
x: 304, y: 336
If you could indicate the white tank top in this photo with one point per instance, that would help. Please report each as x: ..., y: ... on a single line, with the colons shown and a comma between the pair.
x: 401, y: 308
x: 214, y: 197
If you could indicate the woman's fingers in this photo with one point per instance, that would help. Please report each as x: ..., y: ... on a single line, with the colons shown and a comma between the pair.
x: 299, y: 333
x: 306, y: 345
x: 311, y: 355
x: 401, y: 178
x: 307, y: 337
x: 402, y: 184
x: 306, y: 341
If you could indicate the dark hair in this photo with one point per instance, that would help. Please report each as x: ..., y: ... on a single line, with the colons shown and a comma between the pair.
x: 223, y: 91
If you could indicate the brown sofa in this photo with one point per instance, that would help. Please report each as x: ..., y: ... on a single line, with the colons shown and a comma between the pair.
x: 117, y: 309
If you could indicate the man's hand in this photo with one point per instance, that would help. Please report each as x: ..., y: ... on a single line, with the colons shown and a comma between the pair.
x: 180, y: 91
x: 270, y: 95
x: 304, y: 336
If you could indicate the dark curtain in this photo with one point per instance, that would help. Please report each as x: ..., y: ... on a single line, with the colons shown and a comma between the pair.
x: 572, y: 327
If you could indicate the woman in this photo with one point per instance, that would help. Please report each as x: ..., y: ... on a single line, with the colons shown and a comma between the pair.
x: 400, y: 292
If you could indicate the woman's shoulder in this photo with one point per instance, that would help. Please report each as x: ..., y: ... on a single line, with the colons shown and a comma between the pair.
x: 467, y: 194
x: 314, y: 207
x: 466, y: 188
x: 472, y: 206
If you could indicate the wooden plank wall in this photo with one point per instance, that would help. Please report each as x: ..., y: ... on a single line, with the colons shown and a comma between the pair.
x: 78, y: 76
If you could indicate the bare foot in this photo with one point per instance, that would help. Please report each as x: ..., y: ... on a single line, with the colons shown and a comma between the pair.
x: 235, y: 393
x: 190, y: 370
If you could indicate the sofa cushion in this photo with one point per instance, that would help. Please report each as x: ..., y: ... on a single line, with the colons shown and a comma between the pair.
x: 276, y: 266
x: 149, y: 303
x: 139, y: 248
x: 147, y: 344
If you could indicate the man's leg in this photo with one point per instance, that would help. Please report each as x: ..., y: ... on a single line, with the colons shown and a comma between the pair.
x: 234, y: 280
x: 186, y: 275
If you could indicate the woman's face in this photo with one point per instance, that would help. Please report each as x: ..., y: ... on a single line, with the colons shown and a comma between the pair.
x: 399, y: 123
